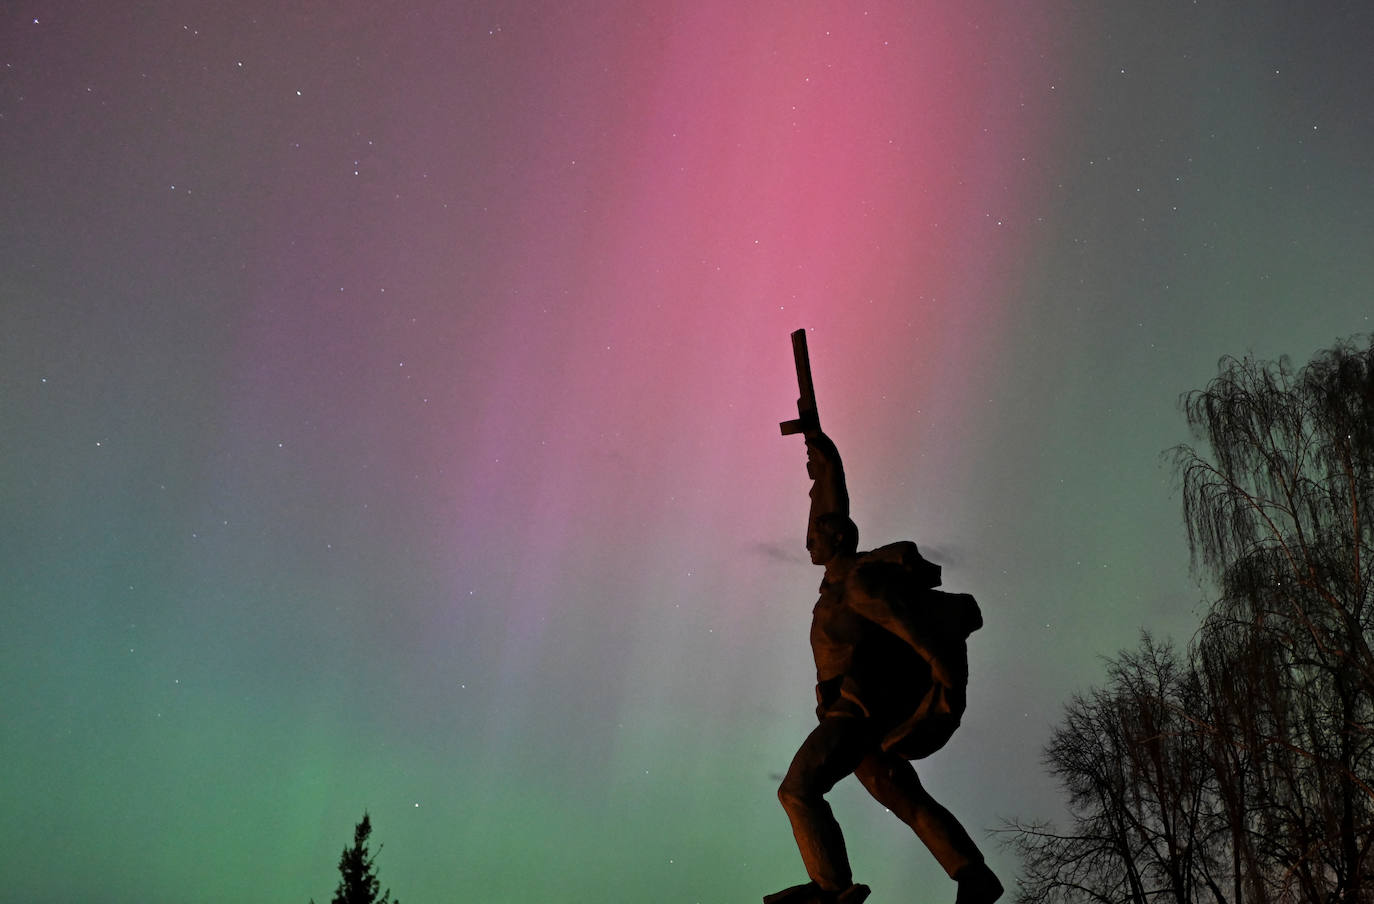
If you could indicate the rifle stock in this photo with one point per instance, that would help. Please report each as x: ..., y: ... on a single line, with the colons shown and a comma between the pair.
x: 807, y: 419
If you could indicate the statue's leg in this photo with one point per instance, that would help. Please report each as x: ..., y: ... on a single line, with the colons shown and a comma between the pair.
x: 893, y: 783
x: 828, y: 754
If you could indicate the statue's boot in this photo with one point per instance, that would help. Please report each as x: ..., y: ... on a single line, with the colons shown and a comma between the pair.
x: 977, y: 885
x: 811, y: 893
x: 854, y: 894
x: 794, y: 895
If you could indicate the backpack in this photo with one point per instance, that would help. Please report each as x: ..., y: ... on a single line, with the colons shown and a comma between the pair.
x: 907, y: 581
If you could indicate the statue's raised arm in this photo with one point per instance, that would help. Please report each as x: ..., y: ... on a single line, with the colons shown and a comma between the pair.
x: 829, y: 495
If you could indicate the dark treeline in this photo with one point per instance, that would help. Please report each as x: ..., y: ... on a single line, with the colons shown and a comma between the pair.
x: 1242, y: 768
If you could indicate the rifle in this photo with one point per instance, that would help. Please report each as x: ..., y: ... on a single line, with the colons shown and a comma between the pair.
x: 807, y: 419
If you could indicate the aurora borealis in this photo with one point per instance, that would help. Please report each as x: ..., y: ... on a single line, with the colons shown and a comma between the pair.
x: 389, y: 400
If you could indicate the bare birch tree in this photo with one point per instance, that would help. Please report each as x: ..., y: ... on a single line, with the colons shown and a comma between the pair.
x: 1278, y: 510
x: 1244, y: 773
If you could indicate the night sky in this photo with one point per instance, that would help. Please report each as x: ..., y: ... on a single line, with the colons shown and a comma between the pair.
x: 389, y: 400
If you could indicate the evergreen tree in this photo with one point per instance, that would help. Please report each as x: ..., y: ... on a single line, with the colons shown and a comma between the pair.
x: 358, y: 883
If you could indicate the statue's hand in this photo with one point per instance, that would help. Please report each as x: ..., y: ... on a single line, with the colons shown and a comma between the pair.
x: 819, y: 450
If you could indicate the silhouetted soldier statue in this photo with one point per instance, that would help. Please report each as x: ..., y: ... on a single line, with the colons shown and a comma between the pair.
x: 891, y: 673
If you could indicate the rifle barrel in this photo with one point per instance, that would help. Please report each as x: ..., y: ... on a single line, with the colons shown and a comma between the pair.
x: 807, y: 418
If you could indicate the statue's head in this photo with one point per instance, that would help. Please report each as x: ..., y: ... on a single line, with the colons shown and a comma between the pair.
x: 832, y: 535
